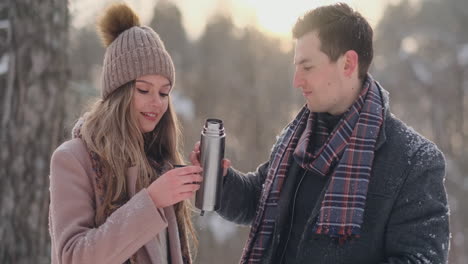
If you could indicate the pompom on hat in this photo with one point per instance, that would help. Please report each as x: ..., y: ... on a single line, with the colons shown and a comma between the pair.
x: 132, y: 50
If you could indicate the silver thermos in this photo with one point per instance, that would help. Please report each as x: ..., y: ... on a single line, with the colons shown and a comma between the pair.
x: 208, y: 197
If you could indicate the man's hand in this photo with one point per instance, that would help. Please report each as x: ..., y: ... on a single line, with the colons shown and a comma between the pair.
x: 195, y: 158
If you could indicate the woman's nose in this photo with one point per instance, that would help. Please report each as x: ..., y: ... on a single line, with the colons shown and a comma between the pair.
x: 156, y: 100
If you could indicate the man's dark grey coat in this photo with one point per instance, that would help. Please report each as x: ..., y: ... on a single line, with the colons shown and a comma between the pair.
x: 406, y: 216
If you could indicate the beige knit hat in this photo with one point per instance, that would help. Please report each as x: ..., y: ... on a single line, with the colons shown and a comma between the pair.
x: 132, y: 50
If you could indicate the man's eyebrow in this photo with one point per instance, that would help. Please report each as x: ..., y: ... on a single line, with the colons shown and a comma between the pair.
x: 302, y: 61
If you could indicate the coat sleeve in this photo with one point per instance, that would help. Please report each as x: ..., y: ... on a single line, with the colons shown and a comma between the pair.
x: 241, y: 194
x: 418, y: 228
x: 75, y: 239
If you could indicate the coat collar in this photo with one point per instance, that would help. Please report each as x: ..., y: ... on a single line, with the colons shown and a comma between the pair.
x: 382, y: 137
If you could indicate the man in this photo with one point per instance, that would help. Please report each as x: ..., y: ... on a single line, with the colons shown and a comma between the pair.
x: 346, y: 182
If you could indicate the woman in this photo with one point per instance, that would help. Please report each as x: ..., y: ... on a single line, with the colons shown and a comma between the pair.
x: 115, y: 197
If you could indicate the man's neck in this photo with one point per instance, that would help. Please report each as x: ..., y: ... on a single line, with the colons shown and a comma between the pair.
x: 354, y: 89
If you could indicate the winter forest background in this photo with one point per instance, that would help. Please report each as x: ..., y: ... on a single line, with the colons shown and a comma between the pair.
x: 50, y: 69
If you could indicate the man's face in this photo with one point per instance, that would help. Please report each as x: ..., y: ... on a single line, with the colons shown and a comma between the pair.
x: 318, y: 77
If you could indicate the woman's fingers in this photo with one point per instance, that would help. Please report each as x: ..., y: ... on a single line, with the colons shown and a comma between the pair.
x: 186, y: 191
x: 191, y: 187
x: 187, y: 170
x: 175, y: 185
x: 186, y: 195
x: 193, y: 178
x: 186, y: 175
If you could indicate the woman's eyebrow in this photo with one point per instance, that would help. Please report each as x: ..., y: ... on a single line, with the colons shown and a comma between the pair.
x: 150, y: 83
x: 143, y: 81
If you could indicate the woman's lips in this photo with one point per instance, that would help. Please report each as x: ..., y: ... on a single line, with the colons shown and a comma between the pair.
x: 150, y: 115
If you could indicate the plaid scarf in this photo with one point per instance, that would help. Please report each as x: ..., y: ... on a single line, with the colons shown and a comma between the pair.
x: 346, y: 156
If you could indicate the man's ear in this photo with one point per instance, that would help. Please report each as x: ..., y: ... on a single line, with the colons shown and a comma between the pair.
x: 351, y: 61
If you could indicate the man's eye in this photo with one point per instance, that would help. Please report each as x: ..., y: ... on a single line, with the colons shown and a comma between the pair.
x: 308, y: 68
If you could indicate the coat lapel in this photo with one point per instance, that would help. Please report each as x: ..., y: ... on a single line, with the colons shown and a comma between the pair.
x: 152, y: 247
x: 173, y: 233
x: 131, y: 180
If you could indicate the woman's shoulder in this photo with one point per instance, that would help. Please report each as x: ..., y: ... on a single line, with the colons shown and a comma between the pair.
x: 75, y: 146
x: 73, y: 149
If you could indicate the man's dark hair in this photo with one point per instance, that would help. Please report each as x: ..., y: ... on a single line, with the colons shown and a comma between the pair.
x: 339, y: 29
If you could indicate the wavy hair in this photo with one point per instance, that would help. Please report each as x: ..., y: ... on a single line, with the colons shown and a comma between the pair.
x: 110, y: 129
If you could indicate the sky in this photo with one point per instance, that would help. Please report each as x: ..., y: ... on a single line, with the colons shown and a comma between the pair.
x: 275, y: 17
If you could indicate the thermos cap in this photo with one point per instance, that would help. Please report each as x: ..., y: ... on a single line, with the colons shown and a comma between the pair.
x: 213, y: 127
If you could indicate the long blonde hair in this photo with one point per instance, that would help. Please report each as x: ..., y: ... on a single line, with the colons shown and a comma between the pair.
x: 110, y: 129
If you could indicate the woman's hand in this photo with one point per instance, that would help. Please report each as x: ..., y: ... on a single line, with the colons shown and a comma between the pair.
x: 175, y: 185
x: 195, y: 158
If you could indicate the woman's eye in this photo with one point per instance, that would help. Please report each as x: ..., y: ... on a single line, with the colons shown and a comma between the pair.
x: 308, y: 68
x: 163, y: 94
x: 142, y: 91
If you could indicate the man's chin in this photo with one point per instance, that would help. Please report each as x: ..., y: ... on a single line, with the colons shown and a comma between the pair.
x: 311, y: 108
x: 315, y: 109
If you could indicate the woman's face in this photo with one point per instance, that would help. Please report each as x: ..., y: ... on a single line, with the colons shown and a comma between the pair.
x: 150, y: 100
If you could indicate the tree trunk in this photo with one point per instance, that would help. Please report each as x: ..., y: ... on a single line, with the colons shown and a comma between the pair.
x: 33, y: 80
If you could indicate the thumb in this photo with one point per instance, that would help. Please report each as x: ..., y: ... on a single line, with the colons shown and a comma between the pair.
x: 226, y: 166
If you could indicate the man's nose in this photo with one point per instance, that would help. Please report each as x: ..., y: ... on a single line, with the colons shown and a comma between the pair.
x: 298, y: 80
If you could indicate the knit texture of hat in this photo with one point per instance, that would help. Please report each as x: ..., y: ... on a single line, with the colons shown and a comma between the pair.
x: 132, y: 50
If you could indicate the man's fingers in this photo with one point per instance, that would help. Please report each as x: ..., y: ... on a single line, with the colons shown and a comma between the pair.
x: 195, y: 158
x: 226, y: 163
x: 226, y: 166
